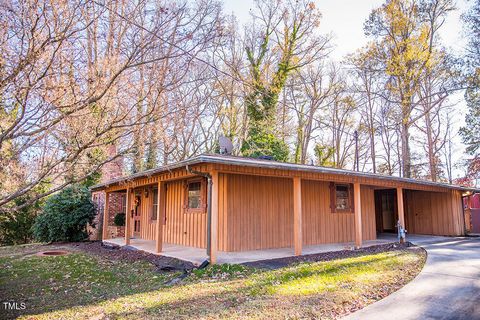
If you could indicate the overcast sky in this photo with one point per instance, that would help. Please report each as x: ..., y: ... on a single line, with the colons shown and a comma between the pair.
x: 345, y: 18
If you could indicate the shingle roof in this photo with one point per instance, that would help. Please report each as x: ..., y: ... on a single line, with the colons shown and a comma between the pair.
x: 271, y: 164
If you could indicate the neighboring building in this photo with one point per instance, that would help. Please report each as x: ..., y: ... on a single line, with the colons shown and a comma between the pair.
x: 471, y: 206
x: 260, y: 204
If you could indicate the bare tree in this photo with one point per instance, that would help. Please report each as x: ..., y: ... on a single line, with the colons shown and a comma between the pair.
x: 68, y: 75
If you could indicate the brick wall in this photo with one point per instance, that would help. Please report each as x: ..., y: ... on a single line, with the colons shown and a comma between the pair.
x: 111, y: 170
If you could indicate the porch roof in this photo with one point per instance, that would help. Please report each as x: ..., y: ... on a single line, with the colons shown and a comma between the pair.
x: 272, y: 164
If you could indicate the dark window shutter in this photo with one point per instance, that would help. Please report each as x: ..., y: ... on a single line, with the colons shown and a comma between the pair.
x: 333, y: 207
x: 350, y: 195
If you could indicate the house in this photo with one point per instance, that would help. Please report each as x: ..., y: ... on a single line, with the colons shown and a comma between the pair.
x: 232, y: 205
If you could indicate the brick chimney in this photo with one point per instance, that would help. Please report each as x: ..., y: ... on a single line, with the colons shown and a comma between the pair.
x: 113, y: 169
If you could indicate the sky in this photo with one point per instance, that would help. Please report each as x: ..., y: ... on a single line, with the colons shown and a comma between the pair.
x: 345, y: 19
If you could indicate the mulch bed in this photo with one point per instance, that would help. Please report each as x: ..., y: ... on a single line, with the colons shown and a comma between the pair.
x: 161, y: 263
x: 278, y: 263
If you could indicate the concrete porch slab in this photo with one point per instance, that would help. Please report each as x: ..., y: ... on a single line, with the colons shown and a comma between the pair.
x: 198, y: 255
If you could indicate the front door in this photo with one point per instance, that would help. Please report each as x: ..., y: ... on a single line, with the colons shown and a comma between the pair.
x: 422, y: 213
x: 136, y: 216
x: 386, y: 210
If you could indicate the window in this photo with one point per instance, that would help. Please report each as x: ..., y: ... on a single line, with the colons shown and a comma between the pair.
x: 194, y: 200
x: 341, y: 197
x: 195, y: 196
x: 154, y: 204
x: 124, y: 203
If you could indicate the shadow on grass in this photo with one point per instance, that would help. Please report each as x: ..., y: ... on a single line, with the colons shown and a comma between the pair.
x: 238, y: 294
x: 94, y: 281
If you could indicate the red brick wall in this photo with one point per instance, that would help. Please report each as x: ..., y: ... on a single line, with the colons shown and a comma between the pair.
x: 111, y: 170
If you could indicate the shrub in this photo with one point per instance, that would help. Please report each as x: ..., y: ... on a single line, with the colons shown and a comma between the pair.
x: 16, y: 225
x: 65, y: 216
x: 119, y: 219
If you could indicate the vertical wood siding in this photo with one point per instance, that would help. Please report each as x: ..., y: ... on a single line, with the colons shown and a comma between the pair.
x: 435, y: 213
x: 259, y: 213
x: 320, y: 225
x: 188, y: 229
x: 369, y: 231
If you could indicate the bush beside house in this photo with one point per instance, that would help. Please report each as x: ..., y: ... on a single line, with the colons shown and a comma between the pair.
x: 65, y: 216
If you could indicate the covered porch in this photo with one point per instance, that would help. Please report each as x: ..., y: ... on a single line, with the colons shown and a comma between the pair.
x: 198, y: 255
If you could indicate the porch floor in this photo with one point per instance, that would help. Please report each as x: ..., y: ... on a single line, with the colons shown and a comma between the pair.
x: 198, y: 255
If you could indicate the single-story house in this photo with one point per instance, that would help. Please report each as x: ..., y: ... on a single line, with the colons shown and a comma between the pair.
x: 228, y: 204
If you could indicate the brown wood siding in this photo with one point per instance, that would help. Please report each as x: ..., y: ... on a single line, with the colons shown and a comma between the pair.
x: 183, y: 228
x: 434, y: 213
x: 369, y: 231
x: 320, y: 225
x: 259, y: 213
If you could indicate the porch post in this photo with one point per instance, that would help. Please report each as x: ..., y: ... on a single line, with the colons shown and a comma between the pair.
x: 214, y: 219
x: 105, y: 217
x: 127, y: 218
x: 160, y: 214
x: 358, y: 215
x: 297, y: 215
x: 401, y: 211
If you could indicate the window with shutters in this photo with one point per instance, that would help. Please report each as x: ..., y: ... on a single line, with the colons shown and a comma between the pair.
x: 195, y: 196
x: 341, y: 197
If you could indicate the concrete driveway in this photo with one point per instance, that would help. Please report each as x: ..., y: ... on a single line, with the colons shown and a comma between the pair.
x: 448, y: 287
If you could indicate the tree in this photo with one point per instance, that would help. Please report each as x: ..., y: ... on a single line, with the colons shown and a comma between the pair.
x: 367, y: 88
x: 282, y: 38
x: 471, y: 131
x: 406, y: 34
x: 69, y: 82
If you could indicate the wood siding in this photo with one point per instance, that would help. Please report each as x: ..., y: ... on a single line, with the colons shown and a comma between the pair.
x: 434, y: 213
x: 259, y: 213
x: 188, y: 229
x: 320, y: 225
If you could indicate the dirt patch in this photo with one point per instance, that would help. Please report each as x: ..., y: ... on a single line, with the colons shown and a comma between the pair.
x: 161, y: 263
x: 52, y: 253
x: 328, y: 256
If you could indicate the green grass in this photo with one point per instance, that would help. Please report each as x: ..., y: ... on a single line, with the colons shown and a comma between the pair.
x: 82, y: 286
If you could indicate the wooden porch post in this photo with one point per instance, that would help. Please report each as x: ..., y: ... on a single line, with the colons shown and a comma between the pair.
x: 358, y: 215
x: 160, y: 214
x: 214, y: 219
x: 401, y: 211
x: 105, y: 217
x: 127, y: 218
x: 297, y: 215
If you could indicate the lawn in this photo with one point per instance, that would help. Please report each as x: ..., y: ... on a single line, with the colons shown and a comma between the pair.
x: 82, y: 285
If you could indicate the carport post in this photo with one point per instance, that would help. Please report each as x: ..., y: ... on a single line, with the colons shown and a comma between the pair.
x: 401, y: 212
x: 297, y: 215
x: 358, y: 215
x: 127, y: 218
x: 214, y: 218
x: 161, y: 205
x: 105, y: 217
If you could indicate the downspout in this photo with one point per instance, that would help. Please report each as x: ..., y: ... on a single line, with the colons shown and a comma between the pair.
x: 209, y: 207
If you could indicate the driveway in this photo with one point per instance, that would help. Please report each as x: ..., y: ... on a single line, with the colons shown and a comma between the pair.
x: 448, y: 287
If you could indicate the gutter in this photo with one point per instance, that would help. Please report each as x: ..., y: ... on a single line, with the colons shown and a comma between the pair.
x: 209, y: 207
